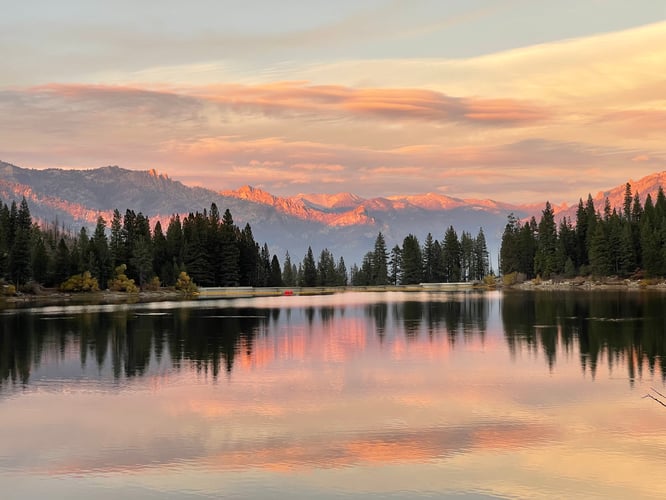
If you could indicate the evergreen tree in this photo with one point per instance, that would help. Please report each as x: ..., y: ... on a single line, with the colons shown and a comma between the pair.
x: 309, y: 270
x: 509, y: 250
x: 395, y: 265
x: 4, y: 238
x: 438, y: 267
x: 380, y: 262
x: 341, y: 273
x: 627, y: 257
x: 429, y: 259
x: 451, y: 252
x: 276, y: 273
x: 412, y: 261
x: 116, y: 244
x: 161, y: 262
x: 466, y: 247
x: 364, y: 275
x: 600, y: 259
x: 567, y: 249
x: 581, y: 257
x: 546, y: 250
x: 288, y: 277
x: 213, y: 244
x: 142, y: 260
x: 194, y: 252
x: 40, y: 259
x: 628, y: 199
x: 19, y: 254
x: 248, y: 258
x: 100, y: 254
x: 650, y: 240
x: 480, y: 260
x: 264, y: 266
x: 326, y: 272
x: 62, y: 269
x: 230, y: 267
x: 175, y: 248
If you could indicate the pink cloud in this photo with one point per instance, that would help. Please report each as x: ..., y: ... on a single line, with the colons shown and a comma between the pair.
x: 386, y: 103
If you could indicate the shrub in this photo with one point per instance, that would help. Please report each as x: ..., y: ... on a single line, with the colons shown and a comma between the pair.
x: 121, y: 283
x: 490, y: 280
x: 510, y: 279
x: 185, y: 284
x: 154, y: 284
x: 8, y: 290
x: 80, y: 283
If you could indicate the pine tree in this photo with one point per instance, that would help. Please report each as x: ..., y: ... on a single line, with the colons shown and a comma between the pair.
x: 174, y: 252
x: 480, y: 261
x: 100, y: 254
x: 276, y: 273
x: 19, y: 254
x: 326, y: 272
x: 466, y: 255
x: 230, y: 267
x: 288, y: 277
x: 412, y: 261
x: 439, y: 268
x: 546, y: 250
x: 194, y: 252
x: 40, y: 259
x: 600, y: 259
x: 628, y: 199
x: 264, y: 266
x: 161, y: 261
x: 309, y: 270
x: 451, y: 252
x: 380, y: 262
x: 395, y: 265
x: 116, y: 244
x: 429, y: 259
x: 4, y: 238
x: 509, y: 250
x: 341, y: 273
x: 62, y: 269
x: 627, y: 257
x: 248, y: 258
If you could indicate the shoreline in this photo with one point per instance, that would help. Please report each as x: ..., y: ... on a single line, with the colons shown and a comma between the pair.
x: 589, y: 284
x: 53, y: 297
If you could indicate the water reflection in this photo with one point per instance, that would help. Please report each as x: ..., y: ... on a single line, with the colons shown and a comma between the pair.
x: 128, y: 341
x: 623, y: 328
x: 387, y: 395
x: 208, y: 339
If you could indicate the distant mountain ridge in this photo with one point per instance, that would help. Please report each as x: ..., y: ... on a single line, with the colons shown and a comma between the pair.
x: 344, y: 223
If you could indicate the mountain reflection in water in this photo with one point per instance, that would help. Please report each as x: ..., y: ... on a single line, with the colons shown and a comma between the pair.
x: 374, y: 395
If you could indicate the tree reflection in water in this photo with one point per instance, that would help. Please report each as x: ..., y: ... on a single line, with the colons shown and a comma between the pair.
x: 622, y: 327
x: 619, y: 328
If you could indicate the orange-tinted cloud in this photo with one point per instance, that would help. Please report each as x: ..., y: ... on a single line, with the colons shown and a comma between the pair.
x: 384, y: 103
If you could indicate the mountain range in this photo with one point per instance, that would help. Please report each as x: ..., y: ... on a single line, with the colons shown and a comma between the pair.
x: 344, y: 223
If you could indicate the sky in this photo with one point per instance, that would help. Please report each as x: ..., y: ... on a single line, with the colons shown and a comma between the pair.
x: 514, y: 100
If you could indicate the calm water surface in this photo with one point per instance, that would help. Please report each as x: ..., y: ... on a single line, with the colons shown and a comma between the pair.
x: 389, y: 395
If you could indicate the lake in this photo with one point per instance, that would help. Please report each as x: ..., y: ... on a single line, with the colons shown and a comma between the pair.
x: 373, y: 395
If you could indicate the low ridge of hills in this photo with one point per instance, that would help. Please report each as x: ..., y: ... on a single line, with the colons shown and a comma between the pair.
x: 344, y: 223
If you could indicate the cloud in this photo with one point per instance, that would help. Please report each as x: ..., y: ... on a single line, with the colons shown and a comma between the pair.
x: 578, y: 113
x: 382, y: 103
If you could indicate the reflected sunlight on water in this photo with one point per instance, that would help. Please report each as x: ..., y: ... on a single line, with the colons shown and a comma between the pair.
x: 399, y: 395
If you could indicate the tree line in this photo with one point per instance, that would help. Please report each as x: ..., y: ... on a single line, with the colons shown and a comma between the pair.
x: 625, y: 241
x: 210, y: 248
x: 451, y: 260
x: 128, y: 253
